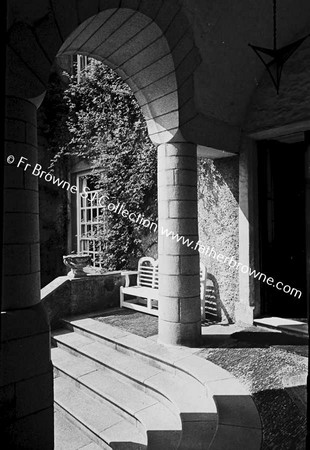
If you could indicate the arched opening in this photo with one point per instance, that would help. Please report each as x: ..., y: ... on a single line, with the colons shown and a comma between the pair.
x: 152, y: 48
x: 135, y: 47
x: 94, y: 145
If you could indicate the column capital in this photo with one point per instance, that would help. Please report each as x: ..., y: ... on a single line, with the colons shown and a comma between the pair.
x: 174, y: 136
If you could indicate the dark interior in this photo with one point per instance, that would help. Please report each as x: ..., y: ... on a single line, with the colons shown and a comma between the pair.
x: 282, y: 220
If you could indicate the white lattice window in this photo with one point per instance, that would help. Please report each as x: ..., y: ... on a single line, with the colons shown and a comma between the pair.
x: 91, y: 219
x: 79, y: 63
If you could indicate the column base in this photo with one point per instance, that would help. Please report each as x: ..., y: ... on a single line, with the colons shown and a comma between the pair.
x: 26, y: 380
x: 186, y: 334
x: 244, y: 314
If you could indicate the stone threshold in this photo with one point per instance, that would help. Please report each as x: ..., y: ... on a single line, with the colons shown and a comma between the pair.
x: 289, y: 326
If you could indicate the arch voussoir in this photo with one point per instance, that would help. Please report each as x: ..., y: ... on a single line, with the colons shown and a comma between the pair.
x: 66, y: 17
x: 48, y: 37
x: 36, y: 59
x: 87, y: 9
x: 150, y: 9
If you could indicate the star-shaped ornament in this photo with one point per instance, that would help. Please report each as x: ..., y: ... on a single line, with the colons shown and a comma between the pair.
x: 276, y: 58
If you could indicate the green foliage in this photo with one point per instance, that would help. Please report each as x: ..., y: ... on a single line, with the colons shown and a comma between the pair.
x: 52, y: 116
x: 104, y: 125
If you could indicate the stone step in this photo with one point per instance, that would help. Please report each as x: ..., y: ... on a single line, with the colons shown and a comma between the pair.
x: 106, y: 358
x: 151, y: 417
x: 226, y: 411
x: 155, y: 354
x: 106, y: 428
x: 183, y: 395
x: 69, y: 436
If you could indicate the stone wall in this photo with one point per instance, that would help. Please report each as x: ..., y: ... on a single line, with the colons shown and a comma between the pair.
x: 65, y: 297
x: 218, y: 228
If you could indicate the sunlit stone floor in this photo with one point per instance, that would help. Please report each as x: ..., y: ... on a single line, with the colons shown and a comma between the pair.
x: 272, y: 365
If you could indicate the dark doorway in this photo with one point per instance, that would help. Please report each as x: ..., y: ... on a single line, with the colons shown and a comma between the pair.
x: 282, y: 219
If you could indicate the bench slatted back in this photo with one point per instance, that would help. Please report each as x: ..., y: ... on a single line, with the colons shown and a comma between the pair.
x: 203, y: 273
x: 148, y: 273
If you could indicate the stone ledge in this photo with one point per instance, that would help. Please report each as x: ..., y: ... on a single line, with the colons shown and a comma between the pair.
x: 66, y: 296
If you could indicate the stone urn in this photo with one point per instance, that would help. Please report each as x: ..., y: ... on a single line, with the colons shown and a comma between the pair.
x: 77, y: 264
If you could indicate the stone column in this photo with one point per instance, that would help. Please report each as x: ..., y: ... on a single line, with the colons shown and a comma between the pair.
x: 26, y: 379
x: 307, y: 206
x: 179, y: 287
x: 249, y: 300
x: 21, y: 287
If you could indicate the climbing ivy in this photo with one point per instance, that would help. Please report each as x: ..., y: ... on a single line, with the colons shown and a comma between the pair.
x: 100, y: 121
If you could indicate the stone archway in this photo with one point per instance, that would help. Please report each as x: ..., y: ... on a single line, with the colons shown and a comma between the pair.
x: 138, y: 50
x: 151, y: 46
x: 135, y: 47
x: 152, y: 49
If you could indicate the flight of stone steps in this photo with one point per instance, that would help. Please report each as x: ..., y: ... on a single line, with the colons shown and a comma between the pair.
x: 128, y: 392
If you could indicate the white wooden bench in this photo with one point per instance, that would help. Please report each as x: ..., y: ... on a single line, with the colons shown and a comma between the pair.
x: 145, y: 295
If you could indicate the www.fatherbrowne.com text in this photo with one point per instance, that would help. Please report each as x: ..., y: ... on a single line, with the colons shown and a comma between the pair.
x: 202, y: 249
x: 139, y: 219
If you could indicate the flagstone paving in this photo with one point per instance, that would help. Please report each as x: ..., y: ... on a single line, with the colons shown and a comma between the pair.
x: 272, y: 365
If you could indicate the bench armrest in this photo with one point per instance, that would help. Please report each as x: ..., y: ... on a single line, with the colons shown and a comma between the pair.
x: 127, y: 274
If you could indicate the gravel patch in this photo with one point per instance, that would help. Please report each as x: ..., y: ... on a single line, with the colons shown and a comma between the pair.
x: 134, y: 322
x: 274, y: 367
